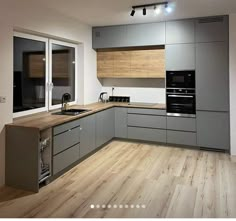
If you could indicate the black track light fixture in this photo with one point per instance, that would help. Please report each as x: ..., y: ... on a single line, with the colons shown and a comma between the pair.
x: 144, y: 11
x: 132, y: 13
x: 157, y: 7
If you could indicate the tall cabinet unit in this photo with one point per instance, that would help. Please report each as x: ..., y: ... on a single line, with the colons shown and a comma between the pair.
x: 212, y: 83
x: 180, y: 45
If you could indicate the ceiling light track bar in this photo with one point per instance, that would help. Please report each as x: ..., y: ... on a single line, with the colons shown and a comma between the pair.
x: 150, y: 5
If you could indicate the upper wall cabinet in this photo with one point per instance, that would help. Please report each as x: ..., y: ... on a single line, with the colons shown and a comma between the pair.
x: 146, y: 34
x: 149, y: 63
x: 179, y: 32
x: 129, y: 35
x: 212, y: 29
x: 180, y: 57
x: 110, y: 37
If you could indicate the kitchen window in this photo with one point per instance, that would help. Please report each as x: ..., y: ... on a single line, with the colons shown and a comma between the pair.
x: 44, y: 69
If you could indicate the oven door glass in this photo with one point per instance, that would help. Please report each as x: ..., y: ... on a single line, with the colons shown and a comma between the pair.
x: 181, y: 104
x: 180, y: 79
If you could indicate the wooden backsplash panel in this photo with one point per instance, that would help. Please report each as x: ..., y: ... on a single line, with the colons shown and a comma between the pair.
x: 132, y: 64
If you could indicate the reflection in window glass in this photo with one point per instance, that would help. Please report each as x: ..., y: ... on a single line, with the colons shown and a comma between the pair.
x: 63, y: 72
x: 29, y: 74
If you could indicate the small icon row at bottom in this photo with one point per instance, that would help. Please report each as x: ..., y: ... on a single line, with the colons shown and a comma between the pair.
x: 109, y: 206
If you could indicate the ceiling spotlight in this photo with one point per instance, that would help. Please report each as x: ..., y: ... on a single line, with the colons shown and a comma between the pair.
x: 157, y: 10
x: 132, y: 13
x: 144, y: 11
x: 168, y: 8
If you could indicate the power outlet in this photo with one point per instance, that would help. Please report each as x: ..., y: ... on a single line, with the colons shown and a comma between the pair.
x: 3, y: 99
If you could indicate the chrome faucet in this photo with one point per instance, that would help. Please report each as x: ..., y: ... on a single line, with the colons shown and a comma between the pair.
x: 64, y: 100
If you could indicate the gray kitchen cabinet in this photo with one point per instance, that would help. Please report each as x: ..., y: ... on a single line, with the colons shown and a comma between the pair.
x: 181, y: 124
x: 66, y: 139
x: 181, y: 137
x: 212, y: 29
x: 147, y: 111
x: 87, y: 135
x: 147, y: 121
x: 109, y: 124
x: 180, y: 57
x: 65, y: 159
x: 66, y: 145
x: 110, y: 37
x: 105, y: 126
x: 179, y: 32
x: 213, y: 130
x: 121, y: 122
x: 147, y: 134
x: 99, y: 119
x: 212, y: 76
x: 146, y: 34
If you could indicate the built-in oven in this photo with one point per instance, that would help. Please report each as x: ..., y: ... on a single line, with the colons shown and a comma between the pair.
x: 181, y: 102
x: 180, y: 79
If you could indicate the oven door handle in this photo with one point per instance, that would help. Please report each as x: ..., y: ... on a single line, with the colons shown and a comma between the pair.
x: 179, y: 96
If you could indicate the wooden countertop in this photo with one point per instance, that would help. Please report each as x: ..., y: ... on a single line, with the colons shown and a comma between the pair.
x: 46, y: 120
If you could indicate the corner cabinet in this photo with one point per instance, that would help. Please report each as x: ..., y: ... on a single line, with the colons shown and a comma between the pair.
x: 105, y: 126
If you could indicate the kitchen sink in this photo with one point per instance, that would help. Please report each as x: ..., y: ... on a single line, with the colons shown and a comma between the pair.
x: 71, y: 112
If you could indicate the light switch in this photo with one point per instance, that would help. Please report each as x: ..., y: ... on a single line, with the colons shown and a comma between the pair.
x: 3, y: 99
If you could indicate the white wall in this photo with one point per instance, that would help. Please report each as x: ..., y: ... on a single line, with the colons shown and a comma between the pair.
x: 18, y: 15
x: 139, y: 90
x: 232, y: 57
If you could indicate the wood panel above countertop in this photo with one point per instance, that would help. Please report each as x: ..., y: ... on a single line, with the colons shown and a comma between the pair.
x: 45, y: 120
x: 131, y: 63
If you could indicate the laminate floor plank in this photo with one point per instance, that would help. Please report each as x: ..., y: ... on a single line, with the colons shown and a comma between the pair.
x: 134, y: 180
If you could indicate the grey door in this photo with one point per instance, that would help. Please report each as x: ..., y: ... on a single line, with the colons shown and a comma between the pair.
x: 179, y: 32
x: 110, y: 37
x: 87, y: 135
x: 146, y: 34
x: 212, y: 29
x: 180, y: 57
x: 212, y: 76
x: 121, y: 122
x: 213, y: 130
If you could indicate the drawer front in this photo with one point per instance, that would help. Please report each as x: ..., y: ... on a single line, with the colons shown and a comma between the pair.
x: 150, y: 121
x: 65, y: 127
x: 180, y: 123
x: 65, y: 140
x: 184, y: 138
x: 65, y: 159
x: 147, y: 134
x: 146, y: 111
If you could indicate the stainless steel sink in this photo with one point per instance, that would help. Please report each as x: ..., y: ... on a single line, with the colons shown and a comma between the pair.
x: 71, y: 112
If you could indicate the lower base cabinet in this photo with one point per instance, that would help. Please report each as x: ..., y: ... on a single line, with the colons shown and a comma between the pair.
x: 182, y: 138
x: 213, y: 130
x: 87, y: 135
x: 147, y: 134
x: 65, y: 159
x: 121, y: 122
x: 105, y: 126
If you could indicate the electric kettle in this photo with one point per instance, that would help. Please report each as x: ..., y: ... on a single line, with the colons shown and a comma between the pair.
x: 103, y: 97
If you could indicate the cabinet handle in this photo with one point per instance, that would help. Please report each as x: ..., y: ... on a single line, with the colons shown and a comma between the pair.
x: 81, y: 128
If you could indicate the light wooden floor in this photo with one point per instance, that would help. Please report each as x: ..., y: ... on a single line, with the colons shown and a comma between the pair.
x: 169, y: 182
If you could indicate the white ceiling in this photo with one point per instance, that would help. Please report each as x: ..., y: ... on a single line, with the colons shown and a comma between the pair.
x: 114, y: 12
